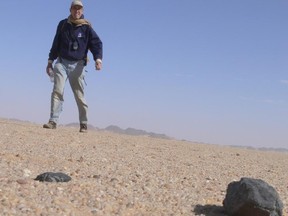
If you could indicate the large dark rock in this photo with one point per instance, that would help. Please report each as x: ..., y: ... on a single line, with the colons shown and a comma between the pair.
x: 252, y: 197
x: 53, y: 177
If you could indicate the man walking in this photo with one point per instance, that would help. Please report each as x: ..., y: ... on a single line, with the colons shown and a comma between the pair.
x: 74, y: 37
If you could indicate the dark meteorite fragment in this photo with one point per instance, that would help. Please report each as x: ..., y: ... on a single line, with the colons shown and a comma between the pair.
x: 53, y: 177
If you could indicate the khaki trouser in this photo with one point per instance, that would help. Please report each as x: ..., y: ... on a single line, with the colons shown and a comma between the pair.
x: 74, y: 72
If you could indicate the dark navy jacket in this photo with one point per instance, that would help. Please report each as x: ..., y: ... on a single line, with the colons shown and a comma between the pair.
x: 85, y: 36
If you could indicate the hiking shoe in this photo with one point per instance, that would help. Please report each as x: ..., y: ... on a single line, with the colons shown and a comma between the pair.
x: 83, y: 128
x: 50, y: 125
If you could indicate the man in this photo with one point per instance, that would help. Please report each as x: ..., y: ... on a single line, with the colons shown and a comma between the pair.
x: 73, y: 39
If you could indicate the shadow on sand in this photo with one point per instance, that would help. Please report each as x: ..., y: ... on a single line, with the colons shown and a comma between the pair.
x: 210, y: 210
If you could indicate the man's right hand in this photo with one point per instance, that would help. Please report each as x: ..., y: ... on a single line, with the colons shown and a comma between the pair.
x: 48, y: 68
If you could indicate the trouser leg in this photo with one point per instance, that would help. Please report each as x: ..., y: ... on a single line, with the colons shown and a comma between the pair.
x: 57, y: 96
x: 76, y: 80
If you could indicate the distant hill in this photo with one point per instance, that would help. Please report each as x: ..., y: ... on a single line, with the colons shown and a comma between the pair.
x: 135, y: 132
x: 128, y: 131
x: 261, y: 148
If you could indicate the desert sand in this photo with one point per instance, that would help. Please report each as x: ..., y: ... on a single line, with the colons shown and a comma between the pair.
x: 116, y: 174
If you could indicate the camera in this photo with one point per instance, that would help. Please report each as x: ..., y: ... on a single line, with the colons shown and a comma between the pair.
x: 75, y: 45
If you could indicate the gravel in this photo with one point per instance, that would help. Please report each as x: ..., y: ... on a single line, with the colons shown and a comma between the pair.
x: 116, y: 174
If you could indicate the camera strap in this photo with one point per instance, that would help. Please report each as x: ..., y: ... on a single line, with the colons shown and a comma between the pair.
x: 72, y: 33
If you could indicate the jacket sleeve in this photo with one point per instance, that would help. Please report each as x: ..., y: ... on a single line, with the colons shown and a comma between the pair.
x: 95, y: 45
x: 56, y: 42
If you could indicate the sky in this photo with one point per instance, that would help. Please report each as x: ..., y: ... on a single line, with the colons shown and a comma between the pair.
x: 212, y: 71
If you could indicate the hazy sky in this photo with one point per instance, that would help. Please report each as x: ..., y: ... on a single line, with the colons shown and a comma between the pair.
x: 212, y: 71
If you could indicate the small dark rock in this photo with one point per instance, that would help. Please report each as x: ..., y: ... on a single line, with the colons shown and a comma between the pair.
x: 96, y: 176
x: 251, y: 197
x: 53, y: 177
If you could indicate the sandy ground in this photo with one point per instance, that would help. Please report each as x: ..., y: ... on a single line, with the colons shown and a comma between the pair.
x: 123, y: 175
